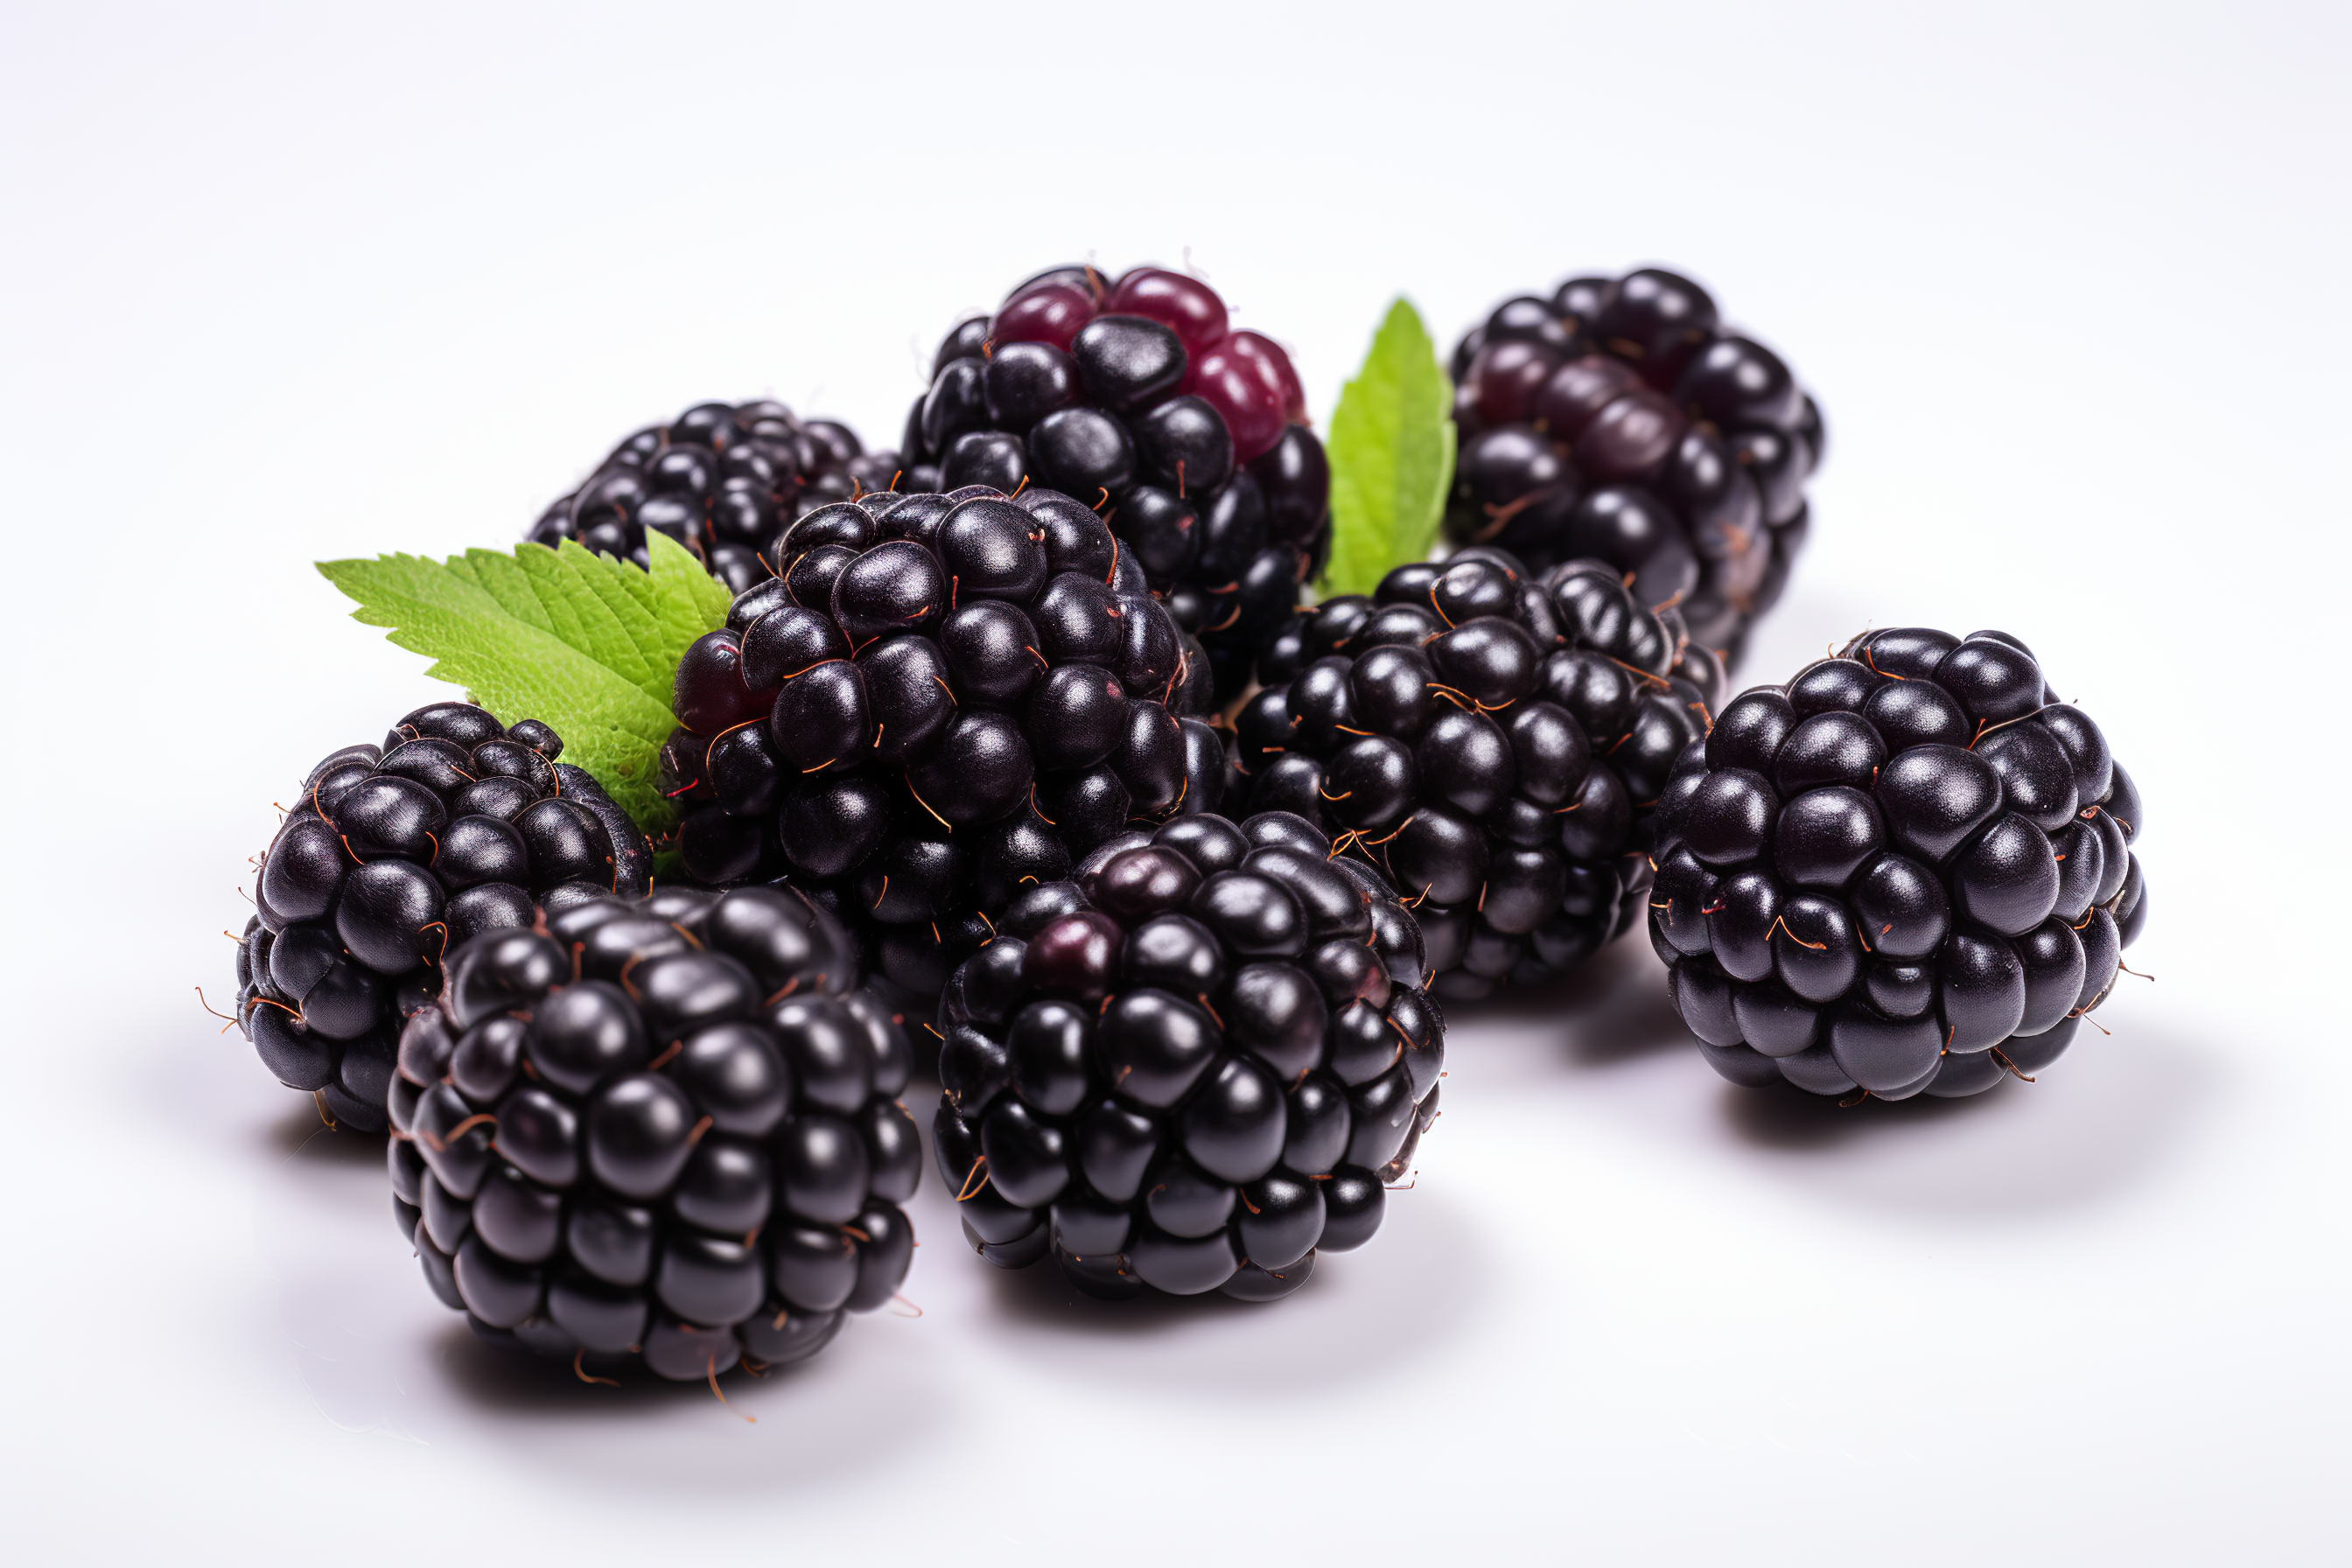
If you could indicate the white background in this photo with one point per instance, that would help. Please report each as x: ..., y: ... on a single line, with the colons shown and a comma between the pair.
x: 2069, y: 283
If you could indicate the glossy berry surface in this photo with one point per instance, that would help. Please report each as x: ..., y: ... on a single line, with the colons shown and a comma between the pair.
x: 1494, y: 742
x: 660, y: 1129
x: 1135, y: 396
x: 721, y: 479
x: 1908, y: 870
x: 1193, y: 1066
x: 936, y: 702
x: 393, y: 857
x: 1620, y: 419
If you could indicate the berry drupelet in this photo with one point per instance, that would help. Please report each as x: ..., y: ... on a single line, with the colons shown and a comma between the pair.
x: 1494, y: 742
x: 721, y: 480
x: 1193, y: 1066
x: 1908, y: 870
x: 939, y: 701
x: 1135, y: 396
x: 662, y: 1127
x: 1620, y: 420
x: 395, y: 854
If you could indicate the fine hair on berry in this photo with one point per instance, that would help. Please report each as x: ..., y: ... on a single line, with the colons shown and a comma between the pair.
x: 1620, y: 419
x: 1195, y: 1066
x: 1910, y: 871
x: 936, y: 702
x: 394, y: 855
x: 659, y: 1132
x: 1135, y: 393
x: 1493, y: 740
x: 721, y: 479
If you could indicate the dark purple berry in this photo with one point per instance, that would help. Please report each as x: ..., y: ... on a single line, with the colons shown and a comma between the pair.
x: 692, y: 1206
x: 1617, y: 421
x: 386, y: 871
x: 1923, y: 898
x: 1140, y: 401
x: 1179, y: 1079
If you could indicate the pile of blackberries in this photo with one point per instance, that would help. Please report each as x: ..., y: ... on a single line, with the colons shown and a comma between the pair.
x: 1908, y: 870
x: 664, y: 1128
x: 1619, y: 420
x: 957, y: 747
x: 1193, y: 1066
x: 939, y: 701
x: 392, y: 855
x: 721, y: 479
x: 1494, y: 741
x: 1135, y: 396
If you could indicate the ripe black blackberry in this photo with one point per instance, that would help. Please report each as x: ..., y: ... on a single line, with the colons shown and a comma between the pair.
x: 1494, y: 742
x: 1908, y: 870
x: 942, y: 700
x: 663, y: 1126
x: 395, y: 855
x: 721, y: 479
x: 1193, y: 1066
x: 1620, y: 420
x: 1135, y: 396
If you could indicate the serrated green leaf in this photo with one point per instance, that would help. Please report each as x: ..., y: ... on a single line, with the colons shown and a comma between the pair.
x: 1392, y: 455
x: 577, y: 640
x: 686, y: 594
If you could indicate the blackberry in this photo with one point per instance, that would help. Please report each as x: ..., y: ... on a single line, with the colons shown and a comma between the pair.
x: 941, y: 700
x: 1494, y: 742
x: 1193, y: 1066
x: 1135, y: 396
x: 1908, y: 870
x: 393, y: 855
x: 721, y: 479
x: 662, y: 1127
x: 1620, y: 420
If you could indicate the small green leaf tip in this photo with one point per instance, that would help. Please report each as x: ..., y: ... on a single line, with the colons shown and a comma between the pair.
x: 1392, y: 455
x: 583, y: 642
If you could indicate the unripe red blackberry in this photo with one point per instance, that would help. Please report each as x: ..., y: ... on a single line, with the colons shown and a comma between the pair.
x: 1193, y: 1067
x: 1493, y: 742
x: 938, y: 702
x: 661, y: 1127
x: 1910, y: 871
x: 395, y: 855
x: 1135, y: 395
x: 721, y: 479
x: 1620, y: 419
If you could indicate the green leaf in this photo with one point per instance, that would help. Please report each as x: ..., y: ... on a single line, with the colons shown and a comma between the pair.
x: 1392, y: 454
x: 692, y: 601
x: 576, y: 641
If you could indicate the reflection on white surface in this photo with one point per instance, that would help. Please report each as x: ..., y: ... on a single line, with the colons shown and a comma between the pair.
x: 1615, y: 1278
x: 2092, y: 1126
x: 345, y: 1301
x: 378, y: 1355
